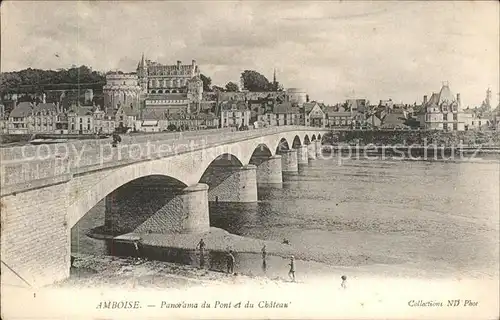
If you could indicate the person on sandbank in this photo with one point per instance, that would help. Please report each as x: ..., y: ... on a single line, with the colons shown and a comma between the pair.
x: 264, y: 254
x: 285, y: 241
x: 230, y: 262
x: 201, y: 247
x: 291, y: 273
x: 344, y: 282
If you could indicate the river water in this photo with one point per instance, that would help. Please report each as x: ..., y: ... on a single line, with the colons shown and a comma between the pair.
x: 417, y: 217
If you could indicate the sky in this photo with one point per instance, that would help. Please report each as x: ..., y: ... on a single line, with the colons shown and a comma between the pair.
x: 334, y: 50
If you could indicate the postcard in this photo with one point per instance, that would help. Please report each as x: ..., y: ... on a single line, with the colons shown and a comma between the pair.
x: 249, y: 159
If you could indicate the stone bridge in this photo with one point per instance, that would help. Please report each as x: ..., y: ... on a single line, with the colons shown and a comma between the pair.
x: 166, y: 179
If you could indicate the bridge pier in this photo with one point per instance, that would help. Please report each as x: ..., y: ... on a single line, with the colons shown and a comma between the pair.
x: 239, y: 184
x: 319, y: 153
x: 289, y: 163
x: 311, y: 151
x: 302, y: 155
x: 112, y: 211
x: 187, y: 212
x: 269, y: 170
x: 194, y: 216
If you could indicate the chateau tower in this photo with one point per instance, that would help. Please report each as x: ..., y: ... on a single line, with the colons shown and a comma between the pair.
x: 121, y: 89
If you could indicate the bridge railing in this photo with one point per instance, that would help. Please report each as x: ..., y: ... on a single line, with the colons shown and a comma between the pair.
x: 29, y: 163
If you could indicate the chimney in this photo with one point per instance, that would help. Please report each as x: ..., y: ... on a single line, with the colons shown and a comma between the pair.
x: 193, y: 63
x: 178, y: 64
x: 458, y: 98
x: 425, y: 99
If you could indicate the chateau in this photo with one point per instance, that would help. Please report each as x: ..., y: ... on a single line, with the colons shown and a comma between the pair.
x: 443, y: 111
x: 169, y: 89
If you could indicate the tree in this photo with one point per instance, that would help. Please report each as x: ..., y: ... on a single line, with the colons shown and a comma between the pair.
x: 255, y: 82
x: 217, y: 88
x: 171, y: 127
x: 232, y: 87
x: 207, y: 82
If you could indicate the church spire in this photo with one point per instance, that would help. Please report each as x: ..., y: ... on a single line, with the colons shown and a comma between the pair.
x: 275, y: 83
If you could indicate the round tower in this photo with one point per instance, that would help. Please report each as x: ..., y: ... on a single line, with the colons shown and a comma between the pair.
x: 296, y: 95
x: 121, y: 89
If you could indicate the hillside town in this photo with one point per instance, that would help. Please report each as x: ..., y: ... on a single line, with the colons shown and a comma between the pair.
x: 177, y: 97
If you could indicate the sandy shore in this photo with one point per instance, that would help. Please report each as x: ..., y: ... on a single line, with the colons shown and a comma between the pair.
x: 164, y: 290
x: 215, y: 240
x: 112, y: 272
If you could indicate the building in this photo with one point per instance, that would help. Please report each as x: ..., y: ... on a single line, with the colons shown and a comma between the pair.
x: 313, y: 115
x: 442, y: 111
x: 177, y: 87
x: 474, y: 121
x: 394, y: 120
x: 234, y: 114
x: 338, y: 117
x: 103, y: 123
x: 121, y: 89
x: 282, y: 114
x: 44, y: 118
x: 20, y: 118
x: 125, y: 116
x: 297, y: 96
x: 80, y: 119
x: 4, y: 120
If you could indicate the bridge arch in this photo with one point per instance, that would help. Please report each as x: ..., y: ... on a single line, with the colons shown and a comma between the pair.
x: 281, y: 145
x: 188, y: 168
x: 296, y: 142
x: 306, y: 140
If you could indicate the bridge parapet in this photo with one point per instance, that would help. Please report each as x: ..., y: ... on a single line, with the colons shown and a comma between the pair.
x: 26, y: 164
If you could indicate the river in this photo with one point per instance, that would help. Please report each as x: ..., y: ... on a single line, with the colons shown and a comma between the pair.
x: 417, y: 217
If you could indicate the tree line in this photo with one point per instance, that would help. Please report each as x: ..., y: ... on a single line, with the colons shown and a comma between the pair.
x: 251, y: 80
x: 38, y: 79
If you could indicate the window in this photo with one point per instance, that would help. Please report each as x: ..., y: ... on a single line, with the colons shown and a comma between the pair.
x: 455, y: 126
x: 81, y: 120
x: 455, y: 117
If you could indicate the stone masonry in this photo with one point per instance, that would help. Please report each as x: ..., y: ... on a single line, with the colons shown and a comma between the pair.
x: 319, y: 152
x: 186, y: 213
x: 269, y: 170
x: 35, y: 236
x: 46, y: 189
x: 302, y: 155
x: 234, y: 184
x: 311, y: 151
x: 289, y: 161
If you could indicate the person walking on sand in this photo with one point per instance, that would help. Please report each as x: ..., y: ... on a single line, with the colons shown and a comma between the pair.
x: 137, y: 250
x: 344, y: 282
x: 201, y: 246
x: 230, y: 262
x: 264, y: 253
x: 291, y: 273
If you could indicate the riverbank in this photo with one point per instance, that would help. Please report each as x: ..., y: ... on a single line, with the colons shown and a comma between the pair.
x: 91, y: 271
x: 311, y: 261
x: 416, y: 137
x: 182, y: 248
x: 126, y: 289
